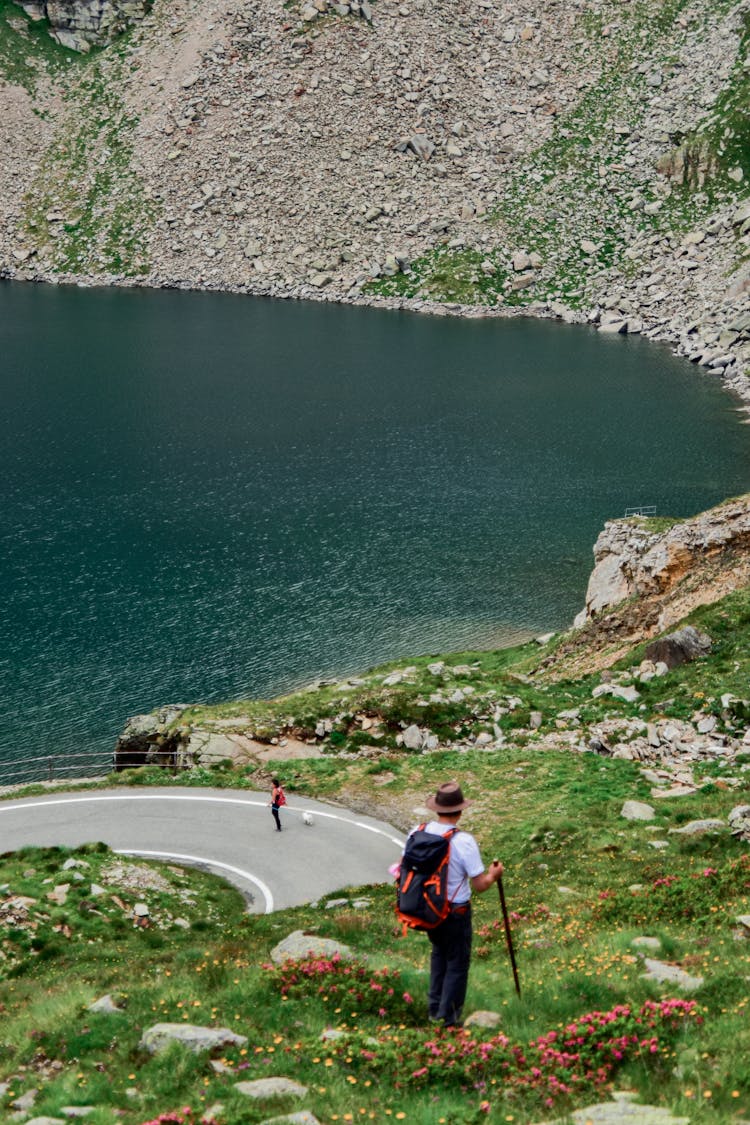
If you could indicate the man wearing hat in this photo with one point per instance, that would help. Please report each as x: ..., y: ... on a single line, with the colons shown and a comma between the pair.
x: 451, y: 940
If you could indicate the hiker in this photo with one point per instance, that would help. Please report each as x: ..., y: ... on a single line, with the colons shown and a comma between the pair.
x: 451, y: 938
x: 278, y: 798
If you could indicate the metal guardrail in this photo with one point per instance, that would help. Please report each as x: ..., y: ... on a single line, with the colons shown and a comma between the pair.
x: 648, y: 510
x: 55, y: 767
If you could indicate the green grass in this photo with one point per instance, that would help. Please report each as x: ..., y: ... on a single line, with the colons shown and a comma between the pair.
x: 554, y: 820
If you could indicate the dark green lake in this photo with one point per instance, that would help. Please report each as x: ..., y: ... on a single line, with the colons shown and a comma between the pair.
x: 208, y: 496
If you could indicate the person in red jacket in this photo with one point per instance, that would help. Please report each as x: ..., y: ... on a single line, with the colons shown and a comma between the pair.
x: 278, y: 798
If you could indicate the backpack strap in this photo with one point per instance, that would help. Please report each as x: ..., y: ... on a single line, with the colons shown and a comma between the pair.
x: 449, y: 835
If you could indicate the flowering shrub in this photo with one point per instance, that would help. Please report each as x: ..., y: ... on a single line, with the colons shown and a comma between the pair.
x: 577, y: 1059
x: 702, y: 896
x: 377, y: 991
x: 179, y: 1117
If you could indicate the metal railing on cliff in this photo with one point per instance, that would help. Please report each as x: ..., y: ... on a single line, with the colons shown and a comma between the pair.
x: 55, y: 767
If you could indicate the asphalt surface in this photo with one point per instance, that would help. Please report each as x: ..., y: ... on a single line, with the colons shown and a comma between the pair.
x: 229, y: 832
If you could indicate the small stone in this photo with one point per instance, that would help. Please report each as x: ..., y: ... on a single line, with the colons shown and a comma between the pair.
x: 157, y: 1038
x: 483, y: 1019
x: 671, y: 974
x: 262, y: 1088
x: 104, y: 1004
x: 25, y: 1101
x: 298, y: 945
x: 698, y: 827
x: 651, y: 943
x: 301, y: 1117
x: 637, y: 810
x: 412, y: 737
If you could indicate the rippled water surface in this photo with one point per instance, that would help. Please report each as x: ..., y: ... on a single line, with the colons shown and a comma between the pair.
x: 206, y: 496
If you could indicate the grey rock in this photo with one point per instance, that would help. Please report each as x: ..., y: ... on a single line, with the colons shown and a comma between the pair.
x: 25, y: 1101
x: 625, y: 692
x: 623, y: 1111
x: 299, y: 945
x: 77, y: 24
x: 637, y: 810
x: 158, y: 1037
x: 77, y: 1110
x: 104, y: 1004
x: 698, y: 827
x: 663, y: 973
x: 301, y: 1117
x: 275, y: 1087
x: 483, y: 1019
x: 681, y: 647
x: 651, y: 943
x: 412, y: 737
x: 46, y: 1121
x: 421, y: 146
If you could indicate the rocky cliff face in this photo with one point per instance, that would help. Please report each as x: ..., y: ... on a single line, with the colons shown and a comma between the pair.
x: 78, y: 24
x: 633, y: 561
x: 645, y: 581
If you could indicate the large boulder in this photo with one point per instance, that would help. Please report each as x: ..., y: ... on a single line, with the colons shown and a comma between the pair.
x: 678, y: 648
x: 196, y: 1039
x: 150, y: 740
x: 77, y: 24
x: 298, y: 946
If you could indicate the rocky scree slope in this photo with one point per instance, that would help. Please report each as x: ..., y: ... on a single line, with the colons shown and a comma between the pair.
x: 587, y: 159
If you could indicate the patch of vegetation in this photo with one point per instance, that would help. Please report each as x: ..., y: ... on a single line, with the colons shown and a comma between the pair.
x: 86, y: 211
x: 27, y: 52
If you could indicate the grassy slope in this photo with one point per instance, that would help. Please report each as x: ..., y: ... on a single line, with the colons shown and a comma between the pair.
x: 552, y: 816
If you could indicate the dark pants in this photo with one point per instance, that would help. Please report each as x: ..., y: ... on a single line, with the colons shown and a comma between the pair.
x: 275, y: 811
x: 449, y: 966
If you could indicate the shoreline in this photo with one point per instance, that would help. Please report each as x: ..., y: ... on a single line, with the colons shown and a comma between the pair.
x: 735, y: 381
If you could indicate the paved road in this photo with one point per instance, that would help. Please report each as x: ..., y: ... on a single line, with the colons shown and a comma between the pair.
x: 230, y: 832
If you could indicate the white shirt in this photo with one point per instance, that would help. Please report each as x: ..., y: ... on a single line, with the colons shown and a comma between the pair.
x: 464, y: 863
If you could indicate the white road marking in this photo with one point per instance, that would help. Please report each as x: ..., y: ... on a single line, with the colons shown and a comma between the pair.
x: 7, y: 807
x: 199, y: 859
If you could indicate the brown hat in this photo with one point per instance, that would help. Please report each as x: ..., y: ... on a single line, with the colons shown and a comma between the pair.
x: 448, y: 799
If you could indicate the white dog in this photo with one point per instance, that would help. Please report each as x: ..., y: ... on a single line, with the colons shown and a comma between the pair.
x: 307, y: 818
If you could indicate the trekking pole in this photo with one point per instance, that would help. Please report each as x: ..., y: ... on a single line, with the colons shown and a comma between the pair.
x: 508, y: 938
